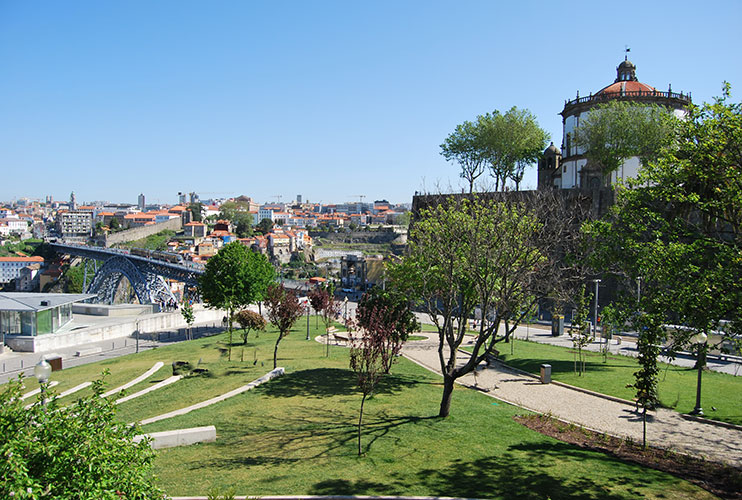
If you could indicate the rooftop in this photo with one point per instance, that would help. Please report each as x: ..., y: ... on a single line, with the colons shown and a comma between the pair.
x: 19, y: 301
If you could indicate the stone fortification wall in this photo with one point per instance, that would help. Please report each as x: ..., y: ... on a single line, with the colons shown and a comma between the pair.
x: 138, y: 233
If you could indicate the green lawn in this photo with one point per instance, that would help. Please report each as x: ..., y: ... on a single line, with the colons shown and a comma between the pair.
x: 677, y: 385
x: 297, y: 434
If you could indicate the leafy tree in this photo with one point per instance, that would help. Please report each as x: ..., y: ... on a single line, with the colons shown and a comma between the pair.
x: 264, y: 226
x: 249, y: 320
x: 323, y: 301
x: 464, y: 146
x: 197, y: 211
x: 77, y: 451
x: 243, y: 225
x: 74, y: 276
x: 234, y: 278
x: 114, y: 224
x: 366, y: 361
x: 386, y: 318
x: 677, y: 229
x: 187, y: 311
x: 468, y: 252
x: 284, y: 310
x: 617, y: 130
x: 651, y: 333
x: 510, y: 142
x: 581, y: 334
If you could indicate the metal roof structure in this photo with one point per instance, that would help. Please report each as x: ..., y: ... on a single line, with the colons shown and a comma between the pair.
x: 20, y: 301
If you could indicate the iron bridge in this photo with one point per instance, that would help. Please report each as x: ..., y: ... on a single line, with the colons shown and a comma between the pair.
x: 146, y: 274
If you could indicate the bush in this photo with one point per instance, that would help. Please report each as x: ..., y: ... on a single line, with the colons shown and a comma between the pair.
x: 71, y: 452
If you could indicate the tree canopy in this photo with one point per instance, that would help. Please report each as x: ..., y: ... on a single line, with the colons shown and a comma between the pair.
x: 476, y: 252
x: 677, y: 227
x: 506, y: 142
x: 617, y: 130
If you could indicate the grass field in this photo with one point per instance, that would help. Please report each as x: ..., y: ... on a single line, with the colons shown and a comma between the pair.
x: 297, y: 434
x: 677, y: 385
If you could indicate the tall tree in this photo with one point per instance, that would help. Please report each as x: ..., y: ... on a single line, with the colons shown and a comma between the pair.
x: 234, y: 278
x: 677, y: 228
x: 464, y: 146
x: 284, y: 310
x: 510, y: 142
x: 197, y: 211
x: 617, y: 130
x: 469, y: 252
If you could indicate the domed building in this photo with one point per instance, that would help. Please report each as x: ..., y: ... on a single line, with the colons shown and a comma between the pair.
x: 569, y: 168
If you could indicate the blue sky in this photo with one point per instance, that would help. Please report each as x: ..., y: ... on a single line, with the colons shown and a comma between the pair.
x: 330, y: 100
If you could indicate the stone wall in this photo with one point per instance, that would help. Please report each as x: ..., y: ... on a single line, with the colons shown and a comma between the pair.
x: 138, y: 233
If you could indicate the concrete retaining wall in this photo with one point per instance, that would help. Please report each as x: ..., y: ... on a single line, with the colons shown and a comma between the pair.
x: 126, y: 327
x: 180, y: 437
x: 138, y: 233
x: 108, y: 310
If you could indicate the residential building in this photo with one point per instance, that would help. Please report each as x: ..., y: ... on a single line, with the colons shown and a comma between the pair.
x: 10, y: 267
x: 75, y: 226
x: 195, y: 230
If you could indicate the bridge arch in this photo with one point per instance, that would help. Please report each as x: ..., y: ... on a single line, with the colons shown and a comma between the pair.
x: 148, y: 287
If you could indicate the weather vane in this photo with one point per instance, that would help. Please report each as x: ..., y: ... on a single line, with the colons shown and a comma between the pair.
x: 627, y: 50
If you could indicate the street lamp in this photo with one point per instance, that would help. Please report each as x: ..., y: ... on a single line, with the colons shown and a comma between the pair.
x: 699, y: 339
x: 307, y: 304
x: 42, y: 371
x: 595, y: 311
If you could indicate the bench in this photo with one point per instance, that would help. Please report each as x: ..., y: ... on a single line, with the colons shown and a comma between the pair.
x: 338, y: 336
x: 88, y: 352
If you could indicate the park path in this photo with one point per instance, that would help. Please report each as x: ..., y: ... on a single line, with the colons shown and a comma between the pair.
x: 666, y: 429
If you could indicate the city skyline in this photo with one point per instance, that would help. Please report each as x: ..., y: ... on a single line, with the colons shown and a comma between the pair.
x: 328, y: 100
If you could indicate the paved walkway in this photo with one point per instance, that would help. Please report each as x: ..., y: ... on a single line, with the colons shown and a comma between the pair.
x: 666, y: 429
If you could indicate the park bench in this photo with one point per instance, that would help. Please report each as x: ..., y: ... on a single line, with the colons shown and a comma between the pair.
x: 338, y: 336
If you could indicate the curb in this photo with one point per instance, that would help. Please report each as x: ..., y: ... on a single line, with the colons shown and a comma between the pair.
x: 717, y: 423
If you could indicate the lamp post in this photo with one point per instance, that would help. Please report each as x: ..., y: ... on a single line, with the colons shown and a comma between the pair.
x: 42, y: 371
x: 307, y: 304
x: 700, y: 340
x: 595, y: 311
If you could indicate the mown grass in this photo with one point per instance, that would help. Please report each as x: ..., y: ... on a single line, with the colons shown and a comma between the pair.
x: 677, y: 385
x: 297, y: 434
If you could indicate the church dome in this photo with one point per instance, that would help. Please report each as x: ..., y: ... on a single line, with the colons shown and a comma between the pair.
x: 552, y: 150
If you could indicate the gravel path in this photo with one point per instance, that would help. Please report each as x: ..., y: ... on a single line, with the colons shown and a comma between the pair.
x: 666, y: 428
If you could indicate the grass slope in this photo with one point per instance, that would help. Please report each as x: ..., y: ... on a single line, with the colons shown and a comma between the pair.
x: 297, y: 434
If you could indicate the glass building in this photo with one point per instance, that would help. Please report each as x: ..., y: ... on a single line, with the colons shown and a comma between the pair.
x: 32, y: 314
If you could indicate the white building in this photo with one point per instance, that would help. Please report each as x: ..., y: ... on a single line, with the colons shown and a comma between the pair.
x: 10, y: 267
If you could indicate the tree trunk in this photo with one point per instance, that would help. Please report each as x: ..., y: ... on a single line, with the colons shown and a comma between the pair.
x: 229, y: 321
x: 644, y: 431
x: 447, y: 394
x: 360, y: 423
x: 275, y: 352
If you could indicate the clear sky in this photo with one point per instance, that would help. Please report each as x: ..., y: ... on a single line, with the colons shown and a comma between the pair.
x: 329, y: 100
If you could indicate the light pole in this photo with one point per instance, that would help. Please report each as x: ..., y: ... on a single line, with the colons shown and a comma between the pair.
x: 595, y: 311
x: 638, y: 288
x: 42, y: 371
x: 700, y: 340
x: 307, y: 304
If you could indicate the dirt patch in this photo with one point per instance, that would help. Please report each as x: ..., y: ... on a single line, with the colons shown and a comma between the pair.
x: 721, y: 480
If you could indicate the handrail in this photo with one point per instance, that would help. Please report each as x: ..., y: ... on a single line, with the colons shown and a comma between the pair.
x: 606, y: 96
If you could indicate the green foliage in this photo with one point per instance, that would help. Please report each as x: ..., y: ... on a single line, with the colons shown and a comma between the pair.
x: 511, y: 141
x: 651, y: 334
x: 234, y: 278
x: 264, y: 226
x: 28, y: 247
x: 465, y: 147
x: 71, y: 452
x: 74, y: 277
x: 284, y: 310
x: 678, y: 227
x: 249, y: 320
x: 580, y: 330
x: 197, y: 211
x: 467, y: 253
x: 156, y: 241
x: 617, y: 130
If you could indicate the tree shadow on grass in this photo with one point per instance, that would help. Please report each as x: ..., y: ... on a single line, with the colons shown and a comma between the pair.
x: 325, y: 382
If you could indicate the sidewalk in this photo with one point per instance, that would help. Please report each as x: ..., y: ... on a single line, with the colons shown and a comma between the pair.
x: 666, y: 428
